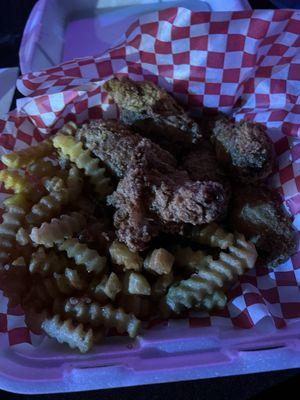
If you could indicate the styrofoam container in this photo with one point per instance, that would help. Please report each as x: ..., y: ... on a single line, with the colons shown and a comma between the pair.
x: 60, y: 30
x: 181, y: 354
x: 8, y: 78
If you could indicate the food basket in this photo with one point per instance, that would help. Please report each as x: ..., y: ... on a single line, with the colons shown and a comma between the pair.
x: 245, y: 63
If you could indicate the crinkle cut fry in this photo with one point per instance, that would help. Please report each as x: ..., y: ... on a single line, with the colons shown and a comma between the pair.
x: 136, y: 283
x: 22, y: 237
x: 74, y: 183
x: 107, y: 288
x: 15, y: 180
x: 16, y: 207
x: 209, y: 302
x: 83, y: 255
x: 64, y: 331
x: 187, y: 259
x: 45, y: 263
x: 216, y: 300
x: 159, y: 261
x: 22, y: 158
x: 48, y: 206
x: 95, y: 315
x: 212, y: 235
x: 58, y: 229
x: 41, y: 168
x: 189, y: 293
x: 60, y: 193
x: 69, y: 281
x: 240, y: 257
x: 83, y: 160
x: 121, y: 255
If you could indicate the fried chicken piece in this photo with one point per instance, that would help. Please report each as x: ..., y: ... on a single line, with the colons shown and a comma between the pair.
x: 154, y: 196
x: 257, y: 213
x: 201, y: 163
x: 114, y: 144
x: 154, y: 113
x: 243, y: 148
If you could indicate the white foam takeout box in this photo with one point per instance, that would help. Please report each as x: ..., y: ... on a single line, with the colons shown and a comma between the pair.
x: 57, y: 31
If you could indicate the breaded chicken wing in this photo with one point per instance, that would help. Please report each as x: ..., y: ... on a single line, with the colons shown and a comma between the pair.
x: 154, y: 113
x: 154, y: 195
x: 110, y: 141
x: 243, y: 148
x: 257, y: 213
x: 153, y: 192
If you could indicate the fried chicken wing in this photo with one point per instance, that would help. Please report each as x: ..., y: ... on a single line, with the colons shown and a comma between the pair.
x: 110, y: 141
x: 243, y: 148
x: 154, y: 195
x: 256, y: 212
x: 152, y: 192
x: 201, y: 163
x: 154, y: 113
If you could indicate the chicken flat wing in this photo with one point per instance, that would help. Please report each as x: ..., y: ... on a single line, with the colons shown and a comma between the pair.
x: 257, y: 213
x: 152, y: 194
x: 110, y: 141
x: 154, y: 113
x: 114, y: 144
x: 243, y: 149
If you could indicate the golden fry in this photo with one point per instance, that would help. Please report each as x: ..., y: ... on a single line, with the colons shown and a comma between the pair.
x: 58, y: 229
x: 159, y: 261
x: 82, y: 255
x: 50, y: 205
x: 21, y: 158
x: 41, y: 168
x: 107, y: 288
x: 121, y: 255
x: 64, y: 331
x: 46, y: 262
x: 95, y: 315
x: 83, y: 160
x: 15, y: 180
x: 16, y: 207
x: 212, y: 235
x: 136, y: 283
x: 190, y: 293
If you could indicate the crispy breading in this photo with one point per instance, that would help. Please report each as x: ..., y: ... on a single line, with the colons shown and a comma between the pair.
x: 153, y: 112
x: 257, y: 213
x: 243, y: 148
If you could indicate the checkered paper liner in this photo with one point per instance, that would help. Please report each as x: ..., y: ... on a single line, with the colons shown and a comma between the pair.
x: 244, y: 63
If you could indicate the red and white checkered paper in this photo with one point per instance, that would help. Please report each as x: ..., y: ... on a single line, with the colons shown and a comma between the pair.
x: 245, y: 63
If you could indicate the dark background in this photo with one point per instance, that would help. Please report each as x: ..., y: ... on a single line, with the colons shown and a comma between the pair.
x: 13, y: 16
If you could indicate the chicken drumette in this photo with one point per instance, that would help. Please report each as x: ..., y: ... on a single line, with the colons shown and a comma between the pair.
x: 256, y: 212
x: 243, y: 149
x: 154, y: 113
x: 153, y: 195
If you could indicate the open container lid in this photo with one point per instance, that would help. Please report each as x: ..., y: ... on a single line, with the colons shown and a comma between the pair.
x: 61, y: 30
x: 8, y: 78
